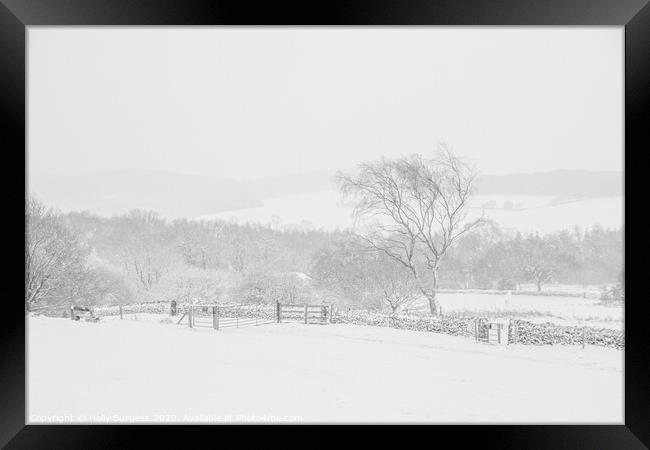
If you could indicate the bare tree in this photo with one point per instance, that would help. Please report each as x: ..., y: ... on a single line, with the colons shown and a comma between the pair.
x: 341, y: 270
x: 413, y: 209
x: 143, y: 246
x: 394, y: 285
x: 53, y: 257
x: 367, y: 278
x: 397, y: 293
x: 103, y: 284
x: 543, y: 257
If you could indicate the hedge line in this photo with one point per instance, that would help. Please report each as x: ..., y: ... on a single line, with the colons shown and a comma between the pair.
x: 530, y: 333
x: 519, y: 331
x: 447, y: 325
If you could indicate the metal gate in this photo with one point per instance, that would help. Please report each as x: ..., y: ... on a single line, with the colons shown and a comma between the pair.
x: 492, y: 332
x: 481, y: 330
x: 215, y: 317
x: 236, y: 316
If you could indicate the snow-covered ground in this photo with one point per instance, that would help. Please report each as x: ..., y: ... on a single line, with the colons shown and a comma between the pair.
x: 142, y: 371
x: 325, y: 209
x: 575, y: 311
x: 321, y: 209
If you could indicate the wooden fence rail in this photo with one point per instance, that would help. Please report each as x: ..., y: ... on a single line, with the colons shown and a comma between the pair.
x: 317, y: 314
x: 290, y: 312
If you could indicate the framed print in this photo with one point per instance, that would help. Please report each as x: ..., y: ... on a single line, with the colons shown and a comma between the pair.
x: 363, y: 213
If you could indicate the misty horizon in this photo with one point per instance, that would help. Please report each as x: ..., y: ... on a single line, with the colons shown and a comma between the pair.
x: 47, y: 174
x: 303, y: 100
x: 534, y: 202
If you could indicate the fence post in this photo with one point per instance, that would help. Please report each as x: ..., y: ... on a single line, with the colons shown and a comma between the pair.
x: 331, y: 312
x: 190, y: 316
x: 215, y: 317
x: 278, y: 311
x: 120, y: 312
x: 72, y: 312
x: 516, y: 332
x: 305, y: 312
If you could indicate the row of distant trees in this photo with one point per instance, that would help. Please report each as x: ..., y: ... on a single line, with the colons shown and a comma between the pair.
x: 138, y: 256
x: 485, y: 259
x: 82, y: 258
x: 494, y: 259
x: 413, y: 237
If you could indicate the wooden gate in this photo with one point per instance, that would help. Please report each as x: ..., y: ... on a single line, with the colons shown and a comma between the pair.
x: 305, y: 313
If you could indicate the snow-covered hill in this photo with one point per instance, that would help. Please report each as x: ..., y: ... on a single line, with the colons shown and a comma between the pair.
x: 526, y: 202
x: 525, y: 213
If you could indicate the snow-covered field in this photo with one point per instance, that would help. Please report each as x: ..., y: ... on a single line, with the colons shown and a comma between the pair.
x: 324, y: 209
x: 142, y: 371
x: 536, y: 308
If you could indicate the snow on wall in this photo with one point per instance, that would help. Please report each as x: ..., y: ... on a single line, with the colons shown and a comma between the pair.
x: 527, y: 333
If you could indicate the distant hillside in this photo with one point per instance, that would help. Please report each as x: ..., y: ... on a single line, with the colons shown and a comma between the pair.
x: 170, y: 194
x: 177, y: 195
x: 559, y: 183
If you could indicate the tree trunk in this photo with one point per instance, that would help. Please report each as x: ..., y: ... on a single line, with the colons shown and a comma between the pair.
x: 434, y: 306
x: 432, y: 294
x: 539, y: 285
x: 429, y: 290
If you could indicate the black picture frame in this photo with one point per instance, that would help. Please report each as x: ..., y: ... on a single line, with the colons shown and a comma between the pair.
x: 634, y: 15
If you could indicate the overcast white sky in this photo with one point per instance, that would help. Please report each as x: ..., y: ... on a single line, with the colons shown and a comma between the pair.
x: 243, y: 102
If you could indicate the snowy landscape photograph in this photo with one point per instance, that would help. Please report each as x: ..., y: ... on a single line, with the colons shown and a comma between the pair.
x: 325, y: 225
